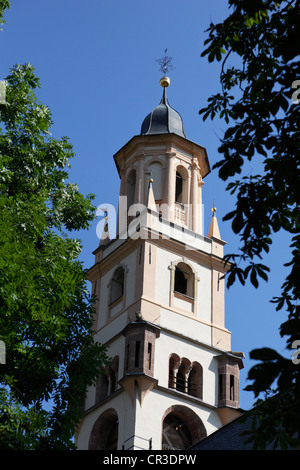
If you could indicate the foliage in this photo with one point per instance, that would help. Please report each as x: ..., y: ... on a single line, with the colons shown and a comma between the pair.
x: 4, y: 4
x: 266, y: 420
x: 258, y: 101
x: 45, y: 309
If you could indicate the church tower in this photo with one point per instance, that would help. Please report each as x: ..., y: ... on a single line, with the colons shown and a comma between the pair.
x: 172, y: 379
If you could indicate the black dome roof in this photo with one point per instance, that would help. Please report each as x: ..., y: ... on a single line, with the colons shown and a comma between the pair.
x: 163, y: 120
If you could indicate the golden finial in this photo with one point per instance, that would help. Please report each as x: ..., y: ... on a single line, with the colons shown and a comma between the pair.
x: 214, y: 209
x: 165, y: 65
x: 165, y: 82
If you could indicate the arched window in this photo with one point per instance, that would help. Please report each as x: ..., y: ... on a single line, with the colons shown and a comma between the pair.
x: 130, y: 188
x: 117, y: 285
x: 108, y: 380
x: 112, y: 373
x: 182, y: 375
x: 174, y: 363
x: 180, y: 281
x: 184, y: 280
x: 155, y: 171
x: 181, y: 196
x: 185, y: 377
x: 181, y: 185
x: 181, y: 428
x: 195, y: 380
x: 178, y: 187
x: 176, y: 435
x: 101, y: 388
x: 104, y: 435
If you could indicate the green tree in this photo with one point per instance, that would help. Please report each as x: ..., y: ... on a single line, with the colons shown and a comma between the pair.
x: 45, y: 309
x: 4, y: 4
x: 257, y: 47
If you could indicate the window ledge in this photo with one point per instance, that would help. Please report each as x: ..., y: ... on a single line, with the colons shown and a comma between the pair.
x: 183, y: 394
x: 179, y: 295
x: 116, y: 302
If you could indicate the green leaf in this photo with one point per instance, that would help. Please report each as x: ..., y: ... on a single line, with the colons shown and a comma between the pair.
x: 229, y: 216
x: 231, y: 278
x: 238, y: 222
x: 265, y: 354
x: 253, y: 277
x: 261, y: 271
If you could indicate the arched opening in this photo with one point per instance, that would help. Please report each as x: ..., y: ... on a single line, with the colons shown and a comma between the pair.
x: 112, y: 373
x: 130, y: 188
x: 195, y: 380
x: 182, y: 374
x: 156, y: 173
x: 184, y: 280
x: 176, y: 435
x: 181, y: 196
x: 108, y: 380
x: 185, y: 377
x: 117, y: 285
x: 181, y: 428
x: 174, y: 363
x: 181, y: 185
x: 101, y: 388
x: 178, y: 188
x: 104, y: 435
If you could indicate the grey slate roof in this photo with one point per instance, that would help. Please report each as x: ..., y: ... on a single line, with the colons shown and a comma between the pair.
x: 163, y: 120
x: 228, y: 437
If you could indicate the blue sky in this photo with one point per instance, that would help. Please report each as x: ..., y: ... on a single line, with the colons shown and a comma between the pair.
x: 97, y: 64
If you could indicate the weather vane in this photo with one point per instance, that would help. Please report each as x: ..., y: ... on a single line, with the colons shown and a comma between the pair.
x: 165, y: 63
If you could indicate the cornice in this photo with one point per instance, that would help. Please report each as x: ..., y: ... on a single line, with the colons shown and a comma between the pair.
x: 139, y: 143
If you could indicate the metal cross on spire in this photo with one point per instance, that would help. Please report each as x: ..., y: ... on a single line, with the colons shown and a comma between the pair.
x: 165, y: 63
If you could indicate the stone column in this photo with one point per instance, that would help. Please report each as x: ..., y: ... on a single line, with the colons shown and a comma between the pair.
x: 121, y: 217
x: 140, y: 178
x: 194, y: 201
x: 170, y: 184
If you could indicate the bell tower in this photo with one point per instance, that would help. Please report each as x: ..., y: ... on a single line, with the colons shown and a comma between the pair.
x: 173, y: 378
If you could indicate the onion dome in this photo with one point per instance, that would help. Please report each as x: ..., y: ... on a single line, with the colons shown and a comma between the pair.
x: 163, y: 119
